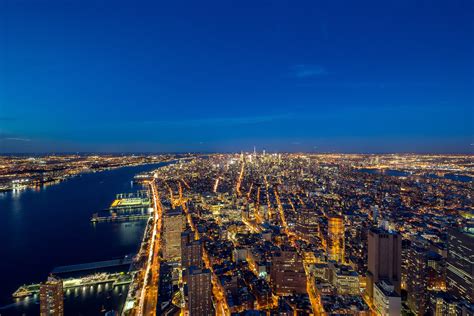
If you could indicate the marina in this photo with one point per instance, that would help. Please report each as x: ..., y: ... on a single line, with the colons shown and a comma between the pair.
x: 110, y: 279
x: 123, y: 263
x: 133, y: 206
x: 53, y: 223
x: 113, y: 217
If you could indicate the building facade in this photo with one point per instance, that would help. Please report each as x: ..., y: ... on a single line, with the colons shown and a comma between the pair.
x: 52, y: 297
x: 384, y: 259
x: 199, y: 292
x: 191, y: 251
x: 417, y: 279
x: 173, y: 224
x: 287, y: 273
x: 335, y: 240
x: 460, y: 269
x: 386, y: 301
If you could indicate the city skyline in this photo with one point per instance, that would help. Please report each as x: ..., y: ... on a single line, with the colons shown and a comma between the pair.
x: 223, y: 77
x: 237, y: 158
x: 228, y: 234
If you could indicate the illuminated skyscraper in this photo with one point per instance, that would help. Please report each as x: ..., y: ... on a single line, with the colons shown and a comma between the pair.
x: 417, y: 279
x: 52, y: 297
x: 384, y: 259
x: 191, y: 251
x: 307, y: 225
x: 460, y: 270
x: 335, y: 241
x: 200, y: 292
x: 375, y: 214
x: 173, y: 224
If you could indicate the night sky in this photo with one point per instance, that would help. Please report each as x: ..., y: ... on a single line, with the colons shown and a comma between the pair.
x: 319, y: 76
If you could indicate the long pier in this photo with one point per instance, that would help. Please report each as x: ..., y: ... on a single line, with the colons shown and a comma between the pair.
x: 126, y: 207
x: 116, y: 279
x: 119, y: 218
x: 127, y: 260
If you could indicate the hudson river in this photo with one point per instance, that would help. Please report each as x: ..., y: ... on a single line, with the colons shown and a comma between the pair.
x: 49, y: 227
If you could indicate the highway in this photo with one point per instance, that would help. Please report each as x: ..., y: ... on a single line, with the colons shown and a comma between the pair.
x: 149, y: 292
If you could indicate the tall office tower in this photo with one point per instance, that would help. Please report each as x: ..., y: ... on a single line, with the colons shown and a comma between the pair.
x: 287, y: 273
x: 417, y: 279
x: 307, y: 225
x: 436, y: 277
x: 200, y: 292
x: 375, y: 214
x: 186, y: 237
x: 335, y: 241
x: 191, y: 251
x: 173, y: 224
x: 384, y: 259
x: 52, y: 297
x: 406, y: 244
x: 460, y: 270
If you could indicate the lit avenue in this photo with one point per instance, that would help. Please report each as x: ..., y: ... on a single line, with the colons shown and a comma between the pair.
x: 292, y: 234
x: 236, y: 158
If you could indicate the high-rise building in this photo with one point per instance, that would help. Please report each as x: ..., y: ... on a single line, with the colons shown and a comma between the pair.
x: 173, y: 224
x: 386, y: 301
x: 307, y: 226
x: 406, y: 244
x: 417, y: 279
x: 335, y: 240
x: 375, y: 214
x: 287, y: 273
x: 191, y: 251
x: 199, y: 292
x: 460, y: 270
x: 436, y: 271
x: 52, y: 297
x: 384, y: 259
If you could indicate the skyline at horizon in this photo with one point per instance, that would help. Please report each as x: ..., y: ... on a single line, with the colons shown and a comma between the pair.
x: 154, y: 77
x: 247, y: 152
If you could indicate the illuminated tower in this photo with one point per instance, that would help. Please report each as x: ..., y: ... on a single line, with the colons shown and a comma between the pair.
x: 384, y: 259
x: 51, y: 297
x: 335, y: 240
x: 173, y: 224
x: 307, y: 225
x: 191, y: 251
x: 417, y: 279
x: 200, y: 292
x: 460, y: 274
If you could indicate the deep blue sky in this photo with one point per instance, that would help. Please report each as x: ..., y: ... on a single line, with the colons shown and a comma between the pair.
x: 350, y: 76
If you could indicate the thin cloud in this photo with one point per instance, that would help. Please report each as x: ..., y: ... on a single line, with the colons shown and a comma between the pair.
x: 307, y: 71
x: 17, y: 139
x: 221, y: 121
x: 368, y: 84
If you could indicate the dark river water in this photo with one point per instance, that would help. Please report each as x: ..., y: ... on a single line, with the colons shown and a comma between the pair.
x: 45, y: 228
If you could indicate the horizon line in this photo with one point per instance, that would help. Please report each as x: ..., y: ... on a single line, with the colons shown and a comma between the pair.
x: 228, y: 152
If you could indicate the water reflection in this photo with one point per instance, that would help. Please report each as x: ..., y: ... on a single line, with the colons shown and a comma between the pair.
x: 48, y: 228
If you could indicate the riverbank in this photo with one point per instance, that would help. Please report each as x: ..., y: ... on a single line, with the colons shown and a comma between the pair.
x: 49, y: 227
